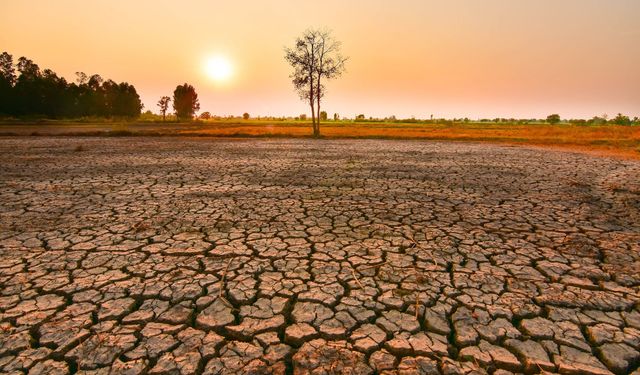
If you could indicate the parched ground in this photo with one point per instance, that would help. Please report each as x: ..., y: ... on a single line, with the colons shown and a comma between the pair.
x: 181, y: 256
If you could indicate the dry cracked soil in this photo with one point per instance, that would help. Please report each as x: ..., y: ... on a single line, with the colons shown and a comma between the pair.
x: 184, y: 256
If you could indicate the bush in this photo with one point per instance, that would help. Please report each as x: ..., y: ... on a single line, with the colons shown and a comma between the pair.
x: 553, y: 119
x: 621, y: 119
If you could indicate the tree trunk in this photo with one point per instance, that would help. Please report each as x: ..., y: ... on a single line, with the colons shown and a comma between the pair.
x: 318, y: 117
x: 319, y: 85
x: 313, y: 113
x: 312, y: 104
x: 319, y: 93
x: 311, y: 95
x: 318, y: 106
x: 313, y: 118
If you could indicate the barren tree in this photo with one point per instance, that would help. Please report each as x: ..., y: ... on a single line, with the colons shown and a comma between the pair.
x: 163, y: 103
x: 316, y: 56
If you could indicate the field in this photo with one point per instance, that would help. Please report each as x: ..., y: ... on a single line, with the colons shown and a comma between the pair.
x: 186, y: 255
x: 609, y: 140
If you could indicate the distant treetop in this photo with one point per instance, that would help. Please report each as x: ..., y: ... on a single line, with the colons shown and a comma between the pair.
x: 35, y: 92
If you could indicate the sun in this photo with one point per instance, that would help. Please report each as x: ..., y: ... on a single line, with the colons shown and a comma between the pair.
x: 219, y: 68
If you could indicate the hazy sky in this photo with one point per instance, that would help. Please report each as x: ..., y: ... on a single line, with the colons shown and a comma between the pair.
x: 476, y: 58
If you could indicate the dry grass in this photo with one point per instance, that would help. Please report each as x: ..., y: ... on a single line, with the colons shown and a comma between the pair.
x: 610, y: 140
x: 622, y: 141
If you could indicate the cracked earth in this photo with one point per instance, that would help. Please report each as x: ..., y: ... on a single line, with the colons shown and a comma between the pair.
x: 184, y: 256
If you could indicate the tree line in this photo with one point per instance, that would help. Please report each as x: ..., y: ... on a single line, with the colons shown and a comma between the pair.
x: 26, y: 90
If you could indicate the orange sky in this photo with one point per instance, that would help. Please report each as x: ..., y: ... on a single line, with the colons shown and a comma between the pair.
x: 475, y: 58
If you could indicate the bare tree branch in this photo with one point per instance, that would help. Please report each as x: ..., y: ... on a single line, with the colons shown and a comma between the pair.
x: 316, y: 56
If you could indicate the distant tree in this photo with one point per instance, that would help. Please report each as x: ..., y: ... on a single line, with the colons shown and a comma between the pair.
x: 43, y: 93
x: 245, y: 116
x: 360, y: 117
x: 95, y: 103
x: 28, y: 100
x: 597, y: 120
x: 7, y: 80
x: 303, y: 117
x: 7, y: 72
x: 163, y: 104
x: 128, y: 101
x: 113, y: 99
x: 323, y: 116
x: 205, y: 115
x: 336, y: 117
x: 185, y: 102
x: 53, y: 94
x: 315, y: 57
x: 27, y: 68
x: 125, y: 102
x: 81, y: 78
x: 553, y: 119
x: 621, y: 119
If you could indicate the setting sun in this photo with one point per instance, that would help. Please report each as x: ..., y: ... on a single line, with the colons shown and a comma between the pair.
x: 219, y: 68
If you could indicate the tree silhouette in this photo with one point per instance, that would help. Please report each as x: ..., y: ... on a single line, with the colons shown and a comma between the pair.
x: 27, y: 98
x: 163, y: 103
x: 127, y: 101
x: 43, y: 93
x: 245, y: 116
x: 185, y: 101
x: 7, y: 80
x: 316, y: 56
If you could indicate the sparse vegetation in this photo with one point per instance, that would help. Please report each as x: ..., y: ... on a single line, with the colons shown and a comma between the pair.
x: 163, y: 103
x: 606, y: 138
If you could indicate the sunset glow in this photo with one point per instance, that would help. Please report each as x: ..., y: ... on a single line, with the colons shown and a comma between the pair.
x: 219, y: 69
x: 478, y: 59
x: 320, y: 187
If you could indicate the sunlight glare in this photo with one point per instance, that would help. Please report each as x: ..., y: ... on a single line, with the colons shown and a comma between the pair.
x: 219, y: 68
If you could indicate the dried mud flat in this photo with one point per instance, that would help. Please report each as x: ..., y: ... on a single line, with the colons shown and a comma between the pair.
x: 182, y: 256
